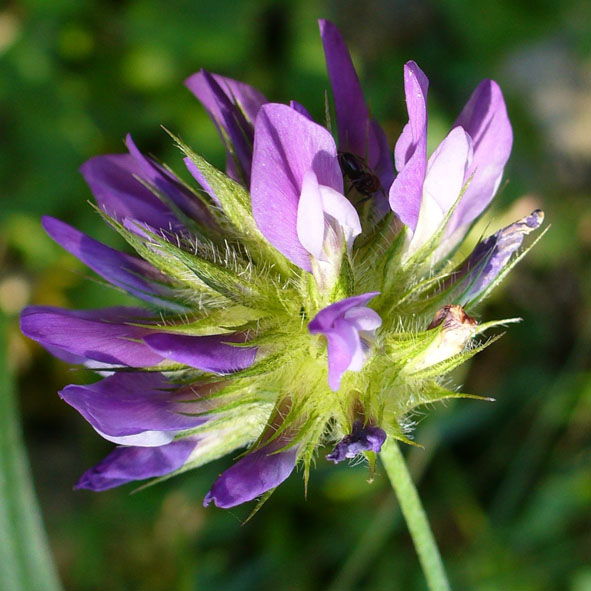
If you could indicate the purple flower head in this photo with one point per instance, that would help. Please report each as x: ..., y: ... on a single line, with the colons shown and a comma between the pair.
x: 471, y: 157
x: 223, y: 358
x: 362, y: 438
x: 346, y: 325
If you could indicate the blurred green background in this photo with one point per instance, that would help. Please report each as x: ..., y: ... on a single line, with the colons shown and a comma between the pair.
x: 507, y: 485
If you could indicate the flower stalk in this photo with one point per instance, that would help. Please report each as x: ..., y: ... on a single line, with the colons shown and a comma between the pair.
x: 415, y: 517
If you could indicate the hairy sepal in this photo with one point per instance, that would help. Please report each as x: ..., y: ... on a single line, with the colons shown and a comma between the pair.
x: 235, y: 203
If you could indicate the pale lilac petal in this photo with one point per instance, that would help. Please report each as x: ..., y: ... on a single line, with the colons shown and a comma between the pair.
x: 362, y: 318
x: 362, y: 438
x: 338, y: 207
x: 443, y: 183
x: 126, y: 464
x: 135, y: 275
x: 100, y: 335
x: 485, y: 119
x: 310, y: 221
x: 128, y: 404
x: 286, y: 146
x: 446, y: 169
x: 491, y: 255
x: 324, y: 320
x: 252, y: 476
x: 212, y: 353
x: 411, y: 150
x: 112, y: 180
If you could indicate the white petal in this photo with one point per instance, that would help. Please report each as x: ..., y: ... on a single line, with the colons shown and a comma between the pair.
x: 342, y: 210
x: 310, y: 218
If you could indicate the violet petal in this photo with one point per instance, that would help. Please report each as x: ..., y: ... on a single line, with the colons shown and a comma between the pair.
x: 130, y: 404
x: 342, y: 323
x: 485, y: 119
x: 411, y: 150
x: 490, y: 256
x: 135, y: 275
x: 169, y: 185
x: 324, y: 320
x: 101, y: 335
x: 358, y: 133
x: 368, y: 438
x: 286, y: 146
x: 209, y: 353
x: 233, y: 107
x: 251, y: 476
x: 125, y: 464
x: 112, y: 180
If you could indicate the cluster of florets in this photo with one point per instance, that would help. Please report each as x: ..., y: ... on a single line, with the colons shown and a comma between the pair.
x: 312, y: 295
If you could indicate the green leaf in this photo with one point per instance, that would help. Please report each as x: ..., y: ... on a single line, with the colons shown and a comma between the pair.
x: 25, y: 559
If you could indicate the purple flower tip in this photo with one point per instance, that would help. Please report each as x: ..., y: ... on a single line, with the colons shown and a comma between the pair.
x: 368, y: 438
x: 253, y: 475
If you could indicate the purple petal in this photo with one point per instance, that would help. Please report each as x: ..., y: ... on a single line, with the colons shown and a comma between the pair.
x: 165, y: 182
x: 300, y: 109
x: 411, y: 150
x: 136, y: 404
x: 209, y: 353
x: 233, y: 106
x: 253, y: 475
x: 344, y: 350
x: 112, y: 181
x: 492, y: 254
x: 286, y: 146
x: 324, y: 320
x: 128, y: 272
x: 358, y: 134
x: 248, y: 99
x: 342, y: 323
x: 100, y: 335
x: 125, y: 464
x: 485, y: 119
x: 200, y: 178
x: 368, y: 438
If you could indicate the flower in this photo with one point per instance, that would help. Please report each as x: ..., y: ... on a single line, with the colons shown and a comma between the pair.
x: 306, y: 297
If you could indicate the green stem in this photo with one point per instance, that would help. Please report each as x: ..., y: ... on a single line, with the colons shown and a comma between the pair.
x: 25, y: 558
x: 415, y: 516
